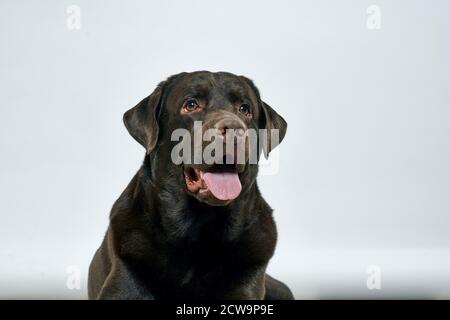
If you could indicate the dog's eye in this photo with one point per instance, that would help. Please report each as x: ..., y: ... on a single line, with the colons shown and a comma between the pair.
x: 190, y: 105
x: 245, y: 110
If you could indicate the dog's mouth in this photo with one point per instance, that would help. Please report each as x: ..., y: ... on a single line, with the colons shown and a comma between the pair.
x: 221, y: 182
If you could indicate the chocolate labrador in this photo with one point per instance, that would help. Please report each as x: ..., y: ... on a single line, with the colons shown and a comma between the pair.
x: 187, y: 230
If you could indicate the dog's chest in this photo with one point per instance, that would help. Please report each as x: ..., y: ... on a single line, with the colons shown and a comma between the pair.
x: 200, y: 273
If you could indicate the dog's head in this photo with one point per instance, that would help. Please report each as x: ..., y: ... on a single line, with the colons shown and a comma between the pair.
x: 220, y: 109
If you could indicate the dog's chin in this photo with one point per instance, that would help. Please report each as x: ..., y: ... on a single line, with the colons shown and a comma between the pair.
x: 213, y: 185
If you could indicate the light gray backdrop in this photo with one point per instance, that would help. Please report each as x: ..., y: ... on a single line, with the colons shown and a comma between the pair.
x: 364, y: 178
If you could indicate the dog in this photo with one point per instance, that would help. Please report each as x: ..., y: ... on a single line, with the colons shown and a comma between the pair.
x: 192, y: 231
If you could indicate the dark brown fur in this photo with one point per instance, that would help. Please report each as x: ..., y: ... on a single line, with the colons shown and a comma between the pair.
x: 163, y: 243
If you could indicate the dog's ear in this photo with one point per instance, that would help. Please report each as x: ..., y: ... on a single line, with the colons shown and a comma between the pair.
x: 271, y: 120
x: 142, y: 120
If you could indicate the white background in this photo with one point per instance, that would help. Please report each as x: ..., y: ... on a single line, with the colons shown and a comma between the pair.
x: 364, y: 177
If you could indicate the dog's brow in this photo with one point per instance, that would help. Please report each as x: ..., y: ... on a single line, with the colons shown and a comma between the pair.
x: 200, y: 90
x: 236, y: 94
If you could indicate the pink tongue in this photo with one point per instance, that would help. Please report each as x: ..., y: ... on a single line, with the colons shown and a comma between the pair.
x: 223, y: 185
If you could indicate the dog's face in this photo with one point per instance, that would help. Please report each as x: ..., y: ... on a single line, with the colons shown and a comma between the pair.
x: 225, y: 106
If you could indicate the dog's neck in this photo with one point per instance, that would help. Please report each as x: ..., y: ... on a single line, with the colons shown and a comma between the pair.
x: 184, y: 219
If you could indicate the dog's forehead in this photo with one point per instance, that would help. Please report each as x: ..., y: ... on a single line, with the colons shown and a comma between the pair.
x: 206, y: 83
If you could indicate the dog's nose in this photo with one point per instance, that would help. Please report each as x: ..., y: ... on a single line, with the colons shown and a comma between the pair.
x: 230, y: 124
